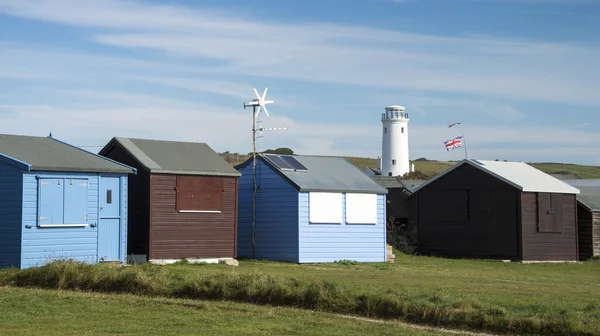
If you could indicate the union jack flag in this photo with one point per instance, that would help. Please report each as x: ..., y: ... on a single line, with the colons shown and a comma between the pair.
x: 454, y: 143
x: 454, y: 124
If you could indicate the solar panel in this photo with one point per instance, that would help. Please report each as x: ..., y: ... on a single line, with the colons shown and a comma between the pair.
x: 293, y: 162
x: 278, y: 162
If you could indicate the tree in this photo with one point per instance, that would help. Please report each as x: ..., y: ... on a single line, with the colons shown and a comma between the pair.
x: 281, y: 150
x: 415, y: 175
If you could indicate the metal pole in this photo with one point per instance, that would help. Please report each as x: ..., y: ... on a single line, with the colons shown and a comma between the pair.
x: 465, y: 145
x: 253, y: 181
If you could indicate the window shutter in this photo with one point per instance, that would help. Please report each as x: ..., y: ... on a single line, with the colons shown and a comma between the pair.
x: 75, y: 203
x: 50, y: 201
x: 199, y: 193
x: 557, y: 213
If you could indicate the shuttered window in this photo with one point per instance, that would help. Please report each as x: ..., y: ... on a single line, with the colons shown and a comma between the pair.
x: 199, y: 193
x: 62, y: 201
x: 550, y: 215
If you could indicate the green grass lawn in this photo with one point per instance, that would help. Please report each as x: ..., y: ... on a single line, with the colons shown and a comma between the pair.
x: 548, y: 298
x: 569, y: 291
x: 47, y: 312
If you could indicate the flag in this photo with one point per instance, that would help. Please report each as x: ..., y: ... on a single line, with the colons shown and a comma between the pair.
x: 454, y: 143
x: 454, y: 124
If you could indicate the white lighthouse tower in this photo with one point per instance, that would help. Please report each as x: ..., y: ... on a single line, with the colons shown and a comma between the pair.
x: 394, y: 155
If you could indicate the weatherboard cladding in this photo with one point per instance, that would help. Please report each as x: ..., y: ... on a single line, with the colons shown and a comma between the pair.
x: 283, y: 231
x: 174, y: 157
x: 326, y: 174
x: 276, y: 215
x: 48, y: 154
x: 332, y: 242
x: 41, y: 245
x: 11, y: 197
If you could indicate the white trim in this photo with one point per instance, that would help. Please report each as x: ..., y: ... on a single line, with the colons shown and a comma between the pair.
x: 199, y: 211
x: 62, y: 225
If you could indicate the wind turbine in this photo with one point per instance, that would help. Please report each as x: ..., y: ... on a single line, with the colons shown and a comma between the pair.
x: 260, y: 102
x: 257, y: 104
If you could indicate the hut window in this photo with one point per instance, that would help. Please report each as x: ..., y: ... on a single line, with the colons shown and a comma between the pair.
x: 550, y: 216
x: 199, y: 194
x: 325, y: 208
x: 453, y: 205
x: 62, y: 201
x: 109, y: 196
x: 361, y: 208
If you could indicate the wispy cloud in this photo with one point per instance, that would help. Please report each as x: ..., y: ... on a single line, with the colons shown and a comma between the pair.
x: 199, y: 54
x: 528, y: 70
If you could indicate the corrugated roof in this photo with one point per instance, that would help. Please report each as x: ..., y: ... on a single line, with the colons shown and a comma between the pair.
x: 388, y: 182
x: 412, y: 184
x: 175, y: 157
x: 49, y: 154
x: 327, y: 174
x: 518, y: 174
x: 589, y: 197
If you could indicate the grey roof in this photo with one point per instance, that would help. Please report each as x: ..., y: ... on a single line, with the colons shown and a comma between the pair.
x: 589, y: 197
x: 327, y: 174
x: 389, y: 182
x: 174, y: 157
x: 412, y: 184
x: 518, y: 174
x: 49, y: 154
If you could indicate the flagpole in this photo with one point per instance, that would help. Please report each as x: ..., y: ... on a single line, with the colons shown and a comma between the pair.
x: 465, y: 146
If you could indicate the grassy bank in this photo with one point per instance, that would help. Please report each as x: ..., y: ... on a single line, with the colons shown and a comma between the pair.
x: 44, y: 312
x: 549, y: 299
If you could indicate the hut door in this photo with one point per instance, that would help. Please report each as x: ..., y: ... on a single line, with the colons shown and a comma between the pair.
x: 109, y: 227
x: 503, y: 224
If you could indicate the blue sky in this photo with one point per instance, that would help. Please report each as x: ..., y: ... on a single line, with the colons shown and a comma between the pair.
x: 522, y: 76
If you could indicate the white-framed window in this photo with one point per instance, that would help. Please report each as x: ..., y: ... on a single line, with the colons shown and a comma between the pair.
x: 325, y: 208
x: 361, y: 208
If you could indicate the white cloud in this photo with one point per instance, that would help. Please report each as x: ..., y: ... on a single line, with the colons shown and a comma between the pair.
x: 485, y: 66
x: 219, y: 53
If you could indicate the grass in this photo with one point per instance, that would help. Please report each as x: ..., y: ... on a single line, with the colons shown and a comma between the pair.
x: 435, y: 167
x: 45, y: 312
x: 548, y: 299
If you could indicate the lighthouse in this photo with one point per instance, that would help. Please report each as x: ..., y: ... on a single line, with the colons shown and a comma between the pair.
x: 394, y: 154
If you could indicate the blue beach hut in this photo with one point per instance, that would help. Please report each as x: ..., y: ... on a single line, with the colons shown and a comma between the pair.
x: 58, y: 201
x: 310, y: 209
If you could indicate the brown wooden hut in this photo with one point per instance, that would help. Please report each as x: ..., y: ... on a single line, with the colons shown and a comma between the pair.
x: 496, y: 210
x: 182, y: 202
x: 588, y: 219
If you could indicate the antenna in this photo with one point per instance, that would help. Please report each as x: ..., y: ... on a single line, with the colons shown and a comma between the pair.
x: 257, y: 104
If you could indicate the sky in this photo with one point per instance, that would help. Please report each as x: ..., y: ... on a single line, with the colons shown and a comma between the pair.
x: 522, y: 76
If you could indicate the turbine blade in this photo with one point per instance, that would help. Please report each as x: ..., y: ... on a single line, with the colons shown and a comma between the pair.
x: 258, y: 110
x: 265, y: 108
x: 268, y: 102
x: 264, y: 94
x: 257, y: 95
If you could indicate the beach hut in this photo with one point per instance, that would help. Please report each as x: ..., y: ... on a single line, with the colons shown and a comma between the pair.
x: 58, y: 201
x: 183, y: 201
x: 496, y: 210
x: 310, y: 209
